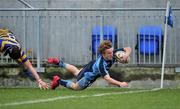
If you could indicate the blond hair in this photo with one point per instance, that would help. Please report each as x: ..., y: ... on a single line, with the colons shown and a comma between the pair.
x: 106, y: 44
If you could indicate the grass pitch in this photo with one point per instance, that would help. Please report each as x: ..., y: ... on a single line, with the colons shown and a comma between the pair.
x: 91, y: 98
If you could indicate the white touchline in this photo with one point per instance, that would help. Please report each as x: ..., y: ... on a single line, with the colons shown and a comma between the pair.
x: 69, y: 97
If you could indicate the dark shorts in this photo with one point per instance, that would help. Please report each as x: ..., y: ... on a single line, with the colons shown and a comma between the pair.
x: 81, y: 79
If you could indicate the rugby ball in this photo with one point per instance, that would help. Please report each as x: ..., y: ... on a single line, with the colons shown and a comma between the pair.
x: 119, y: 57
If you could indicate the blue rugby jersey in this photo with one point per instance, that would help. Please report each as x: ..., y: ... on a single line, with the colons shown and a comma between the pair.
x: 97, y: 68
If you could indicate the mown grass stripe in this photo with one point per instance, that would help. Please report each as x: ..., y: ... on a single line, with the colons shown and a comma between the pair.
x: 70, y: 97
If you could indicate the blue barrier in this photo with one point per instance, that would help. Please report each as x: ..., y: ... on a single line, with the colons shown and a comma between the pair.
x: 109, y: 33
x: 149, y: 39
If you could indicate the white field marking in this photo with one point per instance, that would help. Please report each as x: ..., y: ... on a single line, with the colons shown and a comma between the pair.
x: 69, y: 97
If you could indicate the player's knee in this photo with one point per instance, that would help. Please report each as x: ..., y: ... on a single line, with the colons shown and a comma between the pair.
x: 77, y: 72
x: 76, y: 87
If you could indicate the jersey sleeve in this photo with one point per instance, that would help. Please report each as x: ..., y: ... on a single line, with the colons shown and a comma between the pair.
x: 23, y: 57
x: 119, y: 49
x: 102, y: 68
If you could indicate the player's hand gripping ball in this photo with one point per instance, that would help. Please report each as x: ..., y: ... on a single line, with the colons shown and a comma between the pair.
x: 122, y: 57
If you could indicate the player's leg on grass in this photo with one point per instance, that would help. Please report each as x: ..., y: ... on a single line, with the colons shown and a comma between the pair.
x: 66, y: 83
x: 70, y: 68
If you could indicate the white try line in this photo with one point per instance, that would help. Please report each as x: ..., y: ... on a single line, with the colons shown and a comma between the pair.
x: 69, y: 97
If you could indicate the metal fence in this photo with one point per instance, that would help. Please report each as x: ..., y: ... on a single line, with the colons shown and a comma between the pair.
x: 67, y: 33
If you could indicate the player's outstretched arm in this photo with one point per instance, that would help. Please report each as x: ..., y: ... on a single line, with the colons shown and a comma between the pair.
x: 41, y: 83
x: 115, y: 82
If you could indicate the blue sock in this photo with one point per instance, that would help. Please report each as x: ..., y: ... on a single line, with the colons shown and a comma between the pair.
x: 65, y: 83
x: 62, y: 64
